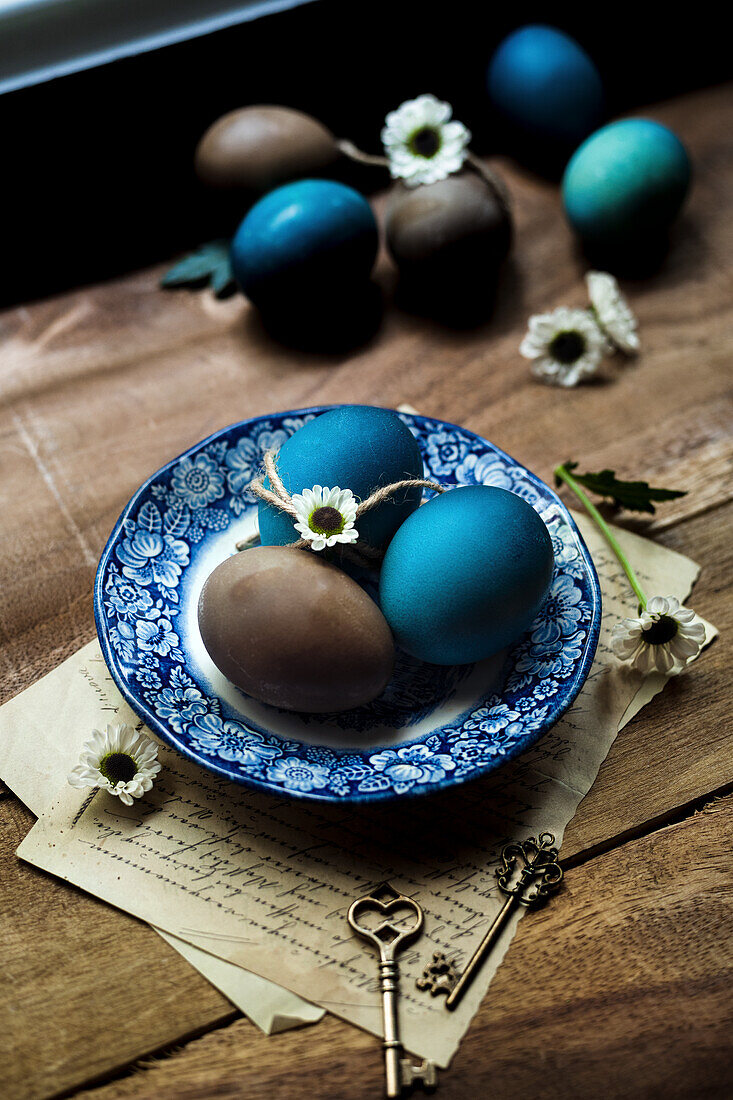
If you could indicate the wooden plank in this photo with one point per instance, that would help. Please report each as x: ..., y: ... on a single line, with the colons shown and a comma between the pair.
x: 101, y: 386
x: 85, y: 989
x: 619, y: 988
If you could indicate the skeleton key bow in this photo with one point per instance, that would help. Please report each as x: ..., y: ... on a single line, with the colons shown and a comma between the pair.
x: 529, y: 874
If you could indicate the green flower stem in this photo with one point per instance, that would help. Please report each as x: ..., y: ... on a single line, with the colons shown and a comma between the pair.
x: 564, y: 475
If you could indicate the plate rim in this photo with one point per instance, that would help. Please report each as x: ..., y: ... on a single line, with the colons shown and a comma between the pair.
x: 140, y: 708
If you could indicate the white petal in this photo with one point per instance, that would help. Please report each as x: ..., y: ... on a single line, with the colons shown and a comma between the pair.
x: 684, y: 615
x: 625, y: 648
x: 644, y: 659
x: 694, y: 631
x: 78, y: 778
x: 613, y: 312
x: 569, y: 375
x: 663, y: 658
x: 658, y: 605
x: 682, y: 648
x: 531, y: 347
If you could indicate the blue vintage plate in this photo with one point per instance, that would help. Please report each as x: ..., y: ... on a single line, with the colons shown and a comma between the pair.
x: 432, y: 727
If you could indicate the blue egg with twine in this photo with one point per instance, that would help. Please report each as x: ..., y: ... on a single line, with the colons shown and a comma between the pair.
x: 545, y: 84
x: 306, y: 238
x: 465, y: 575
x: 626, y: 183
x: 357, y: 447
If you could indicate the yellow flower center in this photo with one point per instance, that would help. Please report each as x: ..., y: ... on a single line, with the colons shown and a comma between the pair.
x: 425, y: 142
x: 326, y: 521
x: 567, y: 347
x: 118, y: 767
x: 662, y: 631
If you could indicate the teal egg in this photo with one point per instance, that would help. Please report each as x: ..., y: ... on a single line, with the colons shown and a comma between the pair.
x: 356, y: 447
x: 465, y: 575
x: 309, y: 238
x: 626, y: 182
x: 546, y: 86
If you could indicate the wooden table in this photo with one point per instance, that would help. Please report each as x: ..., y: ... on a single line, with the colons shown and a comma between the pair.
x: 623, y: 986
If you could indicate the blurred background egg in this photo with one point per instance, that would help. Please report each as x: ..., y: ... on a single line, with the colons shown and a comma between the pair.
x: 257, y: 148
x: 448, y: 237
x: 547, y: 91
x: 290, y: 629
x: 626, y: 183
x: 307, y: 239
x: 465, y: 575
x: 356, y: 447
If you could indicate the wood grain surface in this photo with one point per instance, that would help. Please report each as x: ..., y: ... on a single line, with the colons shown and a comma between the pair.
x: 622, y: 987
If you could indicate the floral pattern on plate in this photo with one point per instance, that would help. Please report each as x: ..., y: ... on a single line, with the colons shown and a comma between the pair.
x: 183, y: 509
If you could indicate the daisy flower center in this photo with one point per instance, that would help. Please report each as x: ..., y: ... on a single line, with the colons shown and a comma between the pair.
x: 326, y: 521
x: 118, y: 767
x: 425, y: 142
x: 662, y: 631
x: 567, y: 346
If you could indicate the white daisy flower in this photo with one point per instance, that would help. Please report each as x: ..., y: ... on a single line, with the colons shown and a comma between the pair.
x: 326, y: 516
x: 665, y: 636
x: 121, y: 761
x: 612, y: 311
x: 422, y: 143
x: 566, y: 345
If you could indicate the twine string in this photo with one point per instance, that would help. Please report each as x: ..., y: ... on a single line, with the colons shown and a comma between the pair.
x: 279, y: 497
x: 354, y: 153
x: 82, y: 808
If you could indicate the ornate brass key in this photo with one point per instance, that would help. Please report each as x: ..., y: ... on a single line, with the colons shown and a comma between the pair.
x: 389, y: 937
x: 539, y: 876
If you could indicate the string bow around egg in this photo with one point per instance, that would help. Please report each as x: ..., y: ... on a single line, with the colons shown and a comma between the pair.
x: 279, y: 497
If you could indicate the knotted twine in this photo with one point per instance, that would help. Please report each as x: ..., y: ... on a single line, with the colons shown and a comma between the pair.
x: 279, y: 497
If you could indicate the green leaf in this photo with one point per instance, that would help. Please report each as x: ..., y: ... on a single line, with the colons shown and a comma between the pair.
x: 209, y: 265
x: 635, y: 496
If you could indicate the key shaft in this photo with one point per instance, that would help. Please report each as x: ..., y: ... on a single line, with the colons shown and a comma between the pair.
x: 388, y: 979
x: 478, y: 958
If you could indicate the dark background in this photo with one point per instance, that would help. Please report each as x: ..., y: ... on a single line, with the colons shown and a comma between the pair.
x: 97, y: 167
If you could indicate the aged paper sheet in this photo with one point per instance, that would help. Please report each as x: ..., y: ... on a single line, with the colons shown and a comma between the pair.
x: 41, y: 732
x: 265, y: 883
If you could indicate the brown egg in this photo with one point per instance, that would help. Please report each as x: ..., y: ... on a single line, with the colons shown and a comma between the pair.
x: 290, y: 629
x: 257, y: 148
x: 447, y: 229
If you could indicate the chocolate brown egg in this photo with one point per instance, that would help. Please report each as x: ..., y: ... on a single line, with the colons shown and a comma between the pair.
x: 256, y: 148
x: 448, y: 229
x: 291, y: 629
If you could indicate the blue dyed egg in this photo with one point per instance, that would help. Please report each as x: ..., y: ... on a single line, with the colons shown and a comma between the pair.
x: 306, y: 238
x: 626, y: 182
x: 356, y: 447
x: 544, y: 83
x: 465, y: 575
